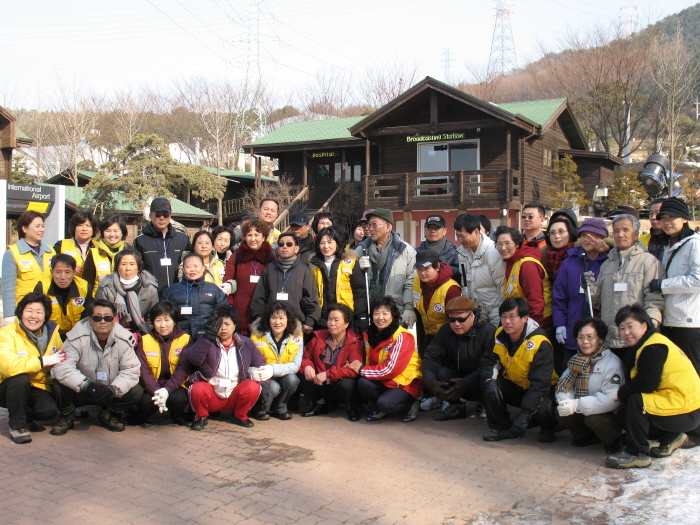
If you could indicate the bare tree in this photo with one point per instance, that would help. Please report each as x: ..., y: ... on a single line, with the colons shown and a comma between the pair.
x: 485, y: 83
x: 329, y: 94
x: 282, y: 191
x: 385, y: 81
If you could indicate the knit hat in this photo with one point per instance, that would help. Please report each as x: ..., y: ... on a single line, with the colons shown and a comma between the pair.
x: 382, y: 213
x: 675, y: 207
x: 459, y: 304
x: 568, y: 217
x: 594, y: 225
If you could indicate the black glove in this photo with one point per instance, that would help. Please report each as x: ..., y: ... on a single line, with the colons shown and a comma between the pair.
x: 307, y: 306
x: 437, y: 388
x: 458, y: 389
x: 519, y: 426
x: 94, y: 391
x: 493, y: 393
x: 655, y: 286
x: 107, y: 396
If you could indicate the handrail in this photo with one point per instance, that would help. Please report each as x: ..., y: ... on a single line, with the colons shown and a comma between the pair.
x: 298, y: 204
x: 228, y: 208
x: 327, y: 204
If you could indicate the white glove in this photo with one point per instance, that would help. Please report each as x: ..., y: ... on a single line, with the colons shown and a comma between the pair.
x: 53, y: 359
x: 8, y: 320
x: 159, y: 398
x: 364, y: 262
x: 567, y: 407
x: 561, y: 334
x: 408, y: 319
x: 263, y: 373
x: 227, y: 287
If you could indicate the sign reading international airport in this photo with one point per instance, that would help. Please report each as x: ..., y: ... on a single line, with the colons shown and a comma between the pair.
x: 431, y: 138
x: 30, y: 197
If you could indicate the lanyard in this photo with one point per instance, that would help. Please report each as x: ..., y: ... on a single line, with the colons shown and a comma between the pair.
x: 284, y: 281
x: 166, y: 243
x: 255, y: 267
x: 188, y: 289
x: 100, y: 355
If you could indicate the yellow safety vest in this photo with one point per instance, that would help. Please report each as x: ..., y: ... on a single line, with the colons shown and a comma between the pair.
x: 29, y: 272
x: 214, y: 273
x: 517, y: 368
x: 436, y: 316
x: 18, y: 355
x: 412, y: 370
x: 69, y: 247
x: 151, y: 347
x: 512, y: 288
x: 104, y: 265
x: 273, y: 237
x: 679, y: 390
x: 74, y: 308
x: 343, y: 287
x: 288, y: 354
x: 644, y: 239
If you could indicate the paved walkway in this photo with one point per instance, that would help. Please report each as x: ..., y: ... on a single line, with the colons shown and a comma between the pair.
x: 304, y: 471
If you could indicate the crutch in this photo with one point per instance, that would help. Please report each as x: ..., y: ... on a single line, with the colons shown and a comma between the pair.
x: 588, y: 288
x: 369, y: 316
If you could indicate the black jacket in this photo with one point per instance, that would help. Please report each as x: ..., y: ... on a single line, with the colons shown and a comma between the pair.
x: 203, y: 298
x: 151, y: 245
x: 307, y: 249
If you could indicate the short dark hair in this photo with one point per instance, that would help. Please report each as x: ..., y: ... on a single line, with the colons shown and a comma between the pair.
x: 467, y: 222
x: 513, y: 232
x: 223, y: 311
x: 101, y: 302
x: 279, y: 306
x: 113, y: 219
x: 34, y: 297
x: 80, y: 218
x: 128, y: 251
x: 660, y: 200
x: 190, y: 255
x: 256, y: 224
x: 598, y: 324
x: 333, y: 233
x: 389, y: 303
x: 221, y: 229
x: 24, y: 220
x: 168, y: 308
x: 486, y: 223
x: 288, y: 234
x: 536, y: 205
x: 321, y: 215
x: 263, y: 201
x: 65, y: 259
x: 514, y: 302
x: 201, y: 233
x: 342, y: 308
x: 637, y: 312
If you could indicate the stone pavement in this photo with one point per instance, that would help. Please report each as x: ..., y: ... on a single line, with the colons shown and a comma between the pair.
x: 322, y: 470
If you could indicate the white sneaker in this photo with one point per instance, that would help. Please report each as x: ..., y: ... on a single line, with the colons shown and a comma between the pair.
x: 430, y: 403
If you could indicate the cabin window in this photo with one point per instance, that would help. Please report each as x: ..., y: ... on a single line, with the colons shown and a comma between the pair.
x: 445, y: 156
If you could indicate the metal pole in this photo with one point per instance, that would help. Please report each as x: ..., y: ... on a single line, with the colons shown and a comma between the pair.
x: 369, y: 314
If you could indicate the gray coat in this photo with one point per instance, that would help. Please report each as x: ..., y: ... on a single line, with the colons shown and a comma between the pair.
x: 148, y: 293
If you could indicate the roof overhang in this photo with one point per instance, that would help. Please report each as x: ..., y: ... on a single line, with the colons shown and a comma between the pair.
x: 602, y: 155
x: 269, y: 150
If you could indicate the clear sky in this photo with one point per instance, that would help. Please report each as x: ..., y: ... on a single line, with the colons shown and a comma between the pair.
x: 110, y: 46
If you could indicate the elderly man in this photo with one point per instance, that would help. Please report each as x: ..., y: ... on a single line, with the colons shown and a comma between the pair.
x: 534, y: 222
x: 300, y: 225
x: 519, y: 371
x: 101, y: 368
x: 390, y: 263
x: 481, y: 267
x: 624, y: 280
x: 268, y: 213
x: 451, y: 361
x: 435, y: 231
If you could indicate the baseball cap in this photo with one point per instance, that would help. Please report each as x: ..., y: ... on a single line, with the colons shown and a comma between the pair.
x: 435, y: 219
x: 161, y: 204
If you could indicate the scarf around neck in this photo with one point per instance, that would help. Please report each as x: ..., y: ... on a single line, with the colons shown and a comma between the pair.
x: 376, y: 336
x: 577, y: 373
x: 437, y: 246
x: 127, y: 303
x: 110, y: 249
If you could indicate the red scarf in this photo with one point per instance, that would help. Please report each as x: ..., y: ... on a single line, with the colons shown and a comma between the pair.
x: 553, y: 259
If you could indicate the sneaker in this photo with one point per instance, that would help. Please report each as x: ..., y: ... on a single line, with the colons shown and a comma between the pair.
x: 430, y: 403
x: 499, y: 435
x: 63, y: 425
x: 199, y: 424
x: 546, y: 435
x: 625, y: 460
x: 20, y: 435
x: 110, y: 421
x: 451, y: 412
x: 665, y: 450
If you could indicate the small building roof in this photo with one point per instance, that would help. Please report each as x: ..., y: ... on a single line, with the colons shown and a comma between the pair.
x: 309, y: 132
x: 538, y: 111
x: 232, y: 174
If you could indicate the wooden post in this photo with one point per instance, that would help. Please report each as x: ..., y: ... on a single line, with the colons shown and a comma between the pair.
x: 366, y: 184
x: 408, y: 227
x: 342, y: 165
x: 305, y: 170
x: 406, y: 191
x: 433, y: 111
x: 508, y: 148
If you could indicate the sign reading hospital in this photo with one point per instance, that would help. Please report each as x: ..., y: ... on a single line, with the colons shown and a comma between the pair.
x: 30, y: 197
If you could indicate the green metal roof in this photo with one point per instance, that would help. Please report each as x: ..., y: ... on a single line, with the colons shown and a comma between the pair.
x: 22, y: 135
x: 311, y: 131
x: 238, y: 174
x: 538, y: 111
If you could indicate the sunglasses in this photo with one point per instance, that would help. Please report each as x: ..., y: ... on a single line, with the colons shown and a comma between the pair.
x: 459, y: 319
x: 286, y: 244
x: 100, y: 318
x: 162, y: 214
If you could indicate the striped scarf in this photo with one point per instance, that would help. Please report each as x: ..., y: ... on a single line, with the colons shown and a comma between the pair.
x: 578, y: 372
x: 553, y: 259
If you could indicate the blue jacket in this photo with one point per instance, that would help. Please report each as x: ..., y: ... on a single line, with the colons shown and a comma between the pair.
x: 448, y: 255
x: 203, y: 298
x: 568, y: 303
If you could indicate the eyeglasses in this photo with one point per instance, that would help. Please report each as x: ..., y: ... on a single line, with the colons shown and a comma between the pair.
x: 459, y: 319
x: 105, y: 318
x: 589, y: 338
x: 504, y: 244
x: 162, y: 214
x: 373, y: 225
x: 286, y: 244
x: 558, y: 233
x: 529, y: 217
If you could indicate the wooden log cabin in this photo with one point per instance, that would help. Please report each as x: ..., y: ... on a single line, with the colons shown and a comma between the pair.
x: 435, y: 148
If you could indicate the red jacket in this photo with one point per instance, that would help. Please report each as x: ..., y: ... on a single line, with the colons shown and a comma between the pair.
x: 349, y: 352
x: 531, y: 276
x: 240, y: 266
x: 428, y: 289
x: 401, y: 352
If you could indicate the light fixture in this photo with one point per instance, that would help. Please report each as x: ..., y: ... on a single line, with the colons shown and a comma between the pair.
x: 654, y: 175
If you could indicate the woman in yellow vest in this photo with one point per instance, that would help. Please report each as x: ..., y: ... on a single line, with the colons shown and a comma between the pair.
x: 338, y: 278
x: 390, y: 378
x: 525, y: 276
x: 203, y: 245
x: 82, y: 227
x: 663, y: 392
x: 161, y: 378
x: 28, y: 348
x: 25, y: 263
x: 277, y: 335
x: 100, y: 258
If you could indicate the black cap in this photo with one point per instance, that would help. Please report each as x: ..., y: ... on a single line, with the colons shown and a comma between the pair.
x: 299, y: 218
x: 675, y: 207
x: 436, y: 219
x: 427, y: 258
x: 161, y: 204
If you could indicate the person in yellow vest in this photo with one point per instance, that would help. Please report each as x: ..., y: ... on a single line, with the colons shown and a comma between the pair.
x: 433, y: 288
x: 277, y: 335
x: 28, y: 348
x: 100, y: 259
x: 70, y: 295
x: 82, y: 227
x: 24, y: 263
x: 161, y: 378
x: 518, y: 372
x: 339, y: 278
x: 390, y: 378
x: 214, y: 268
x: 663, y: 392
x: 268, y: 213
x: 525, y: 275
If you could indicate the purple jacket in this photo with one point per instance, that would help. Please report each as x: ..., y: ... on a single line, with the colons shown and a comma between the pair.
x: 203, y: 357
x: 568, y: 303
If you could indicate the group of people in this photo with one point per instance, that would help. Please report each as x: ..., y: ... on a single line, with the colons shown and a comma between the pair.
x: 571, y: 326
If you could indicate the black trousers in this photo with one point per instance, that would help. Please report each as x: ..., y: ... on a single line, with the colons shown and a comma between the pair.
x: 602, y: 425
x: 638, y: 424
x: 177, y: 403
x: 344, y: 391
x: 498, y: 415
x: 388, y: 400
x: 67, y: 398
x: 24, y: 402
x: 473, y: 382
x: 688, y: 339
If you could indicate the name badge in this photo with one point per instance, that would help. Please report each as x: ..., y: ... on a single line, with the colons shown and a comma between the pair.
x: 72, y: 254
x: 224, y: 382
x: 165, y: 261
x: 282, y: 296
x: 581, y: 290
x: 104, y: 267
x: 510, y: 289
x: 254, y: 278
x: 620, y: 287
x: 186, y: 310
x: 470, y: 277
x: 102, y: 376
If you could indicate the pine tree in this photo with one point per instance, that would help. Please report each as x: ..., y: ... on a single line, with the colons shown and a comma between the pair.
x: 20, y: 170
x: 567, y: 190
x: 626, y: 190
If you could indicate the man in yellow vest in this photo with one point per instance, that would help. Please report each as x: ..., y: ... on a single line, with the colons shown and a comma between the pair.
x: 268, y: 213
x: 70, y: 295
x: 518, y: 372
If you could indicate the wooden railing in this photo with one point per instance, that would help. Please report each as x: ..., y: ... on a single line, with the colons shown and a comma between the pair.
x: 298, y: 204
x: 230, y: 208
x: 327, y: 205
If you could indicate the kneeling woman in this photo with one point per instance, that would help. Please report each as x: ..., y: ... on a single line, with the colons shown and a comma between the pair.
x: 277, y: 334
x: 219, y: 365
x: 391, y: 376
x: 663, y: 392
x: 587, y: 390
x: 162, y: 380
x: 327, y: 377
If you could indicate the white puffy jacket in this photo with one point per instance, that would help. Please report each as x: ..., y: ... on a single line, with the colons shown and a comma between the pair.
x: 681, y: 287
